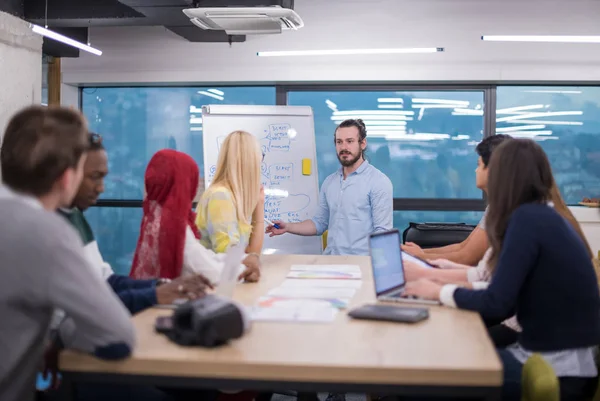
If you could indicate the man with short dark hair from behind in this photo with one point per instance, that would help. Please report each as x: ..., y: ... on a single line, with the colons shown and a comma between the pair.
x: 43, y: 265
x: 471, y: 250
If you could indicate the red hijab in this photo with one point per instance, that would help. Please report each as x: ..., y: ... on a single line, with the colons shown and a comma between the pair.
x: 171, y: 182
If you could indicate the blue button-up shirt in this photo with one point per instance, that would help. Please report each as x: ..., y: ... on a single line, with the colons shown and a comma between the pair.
x: 352, y: 208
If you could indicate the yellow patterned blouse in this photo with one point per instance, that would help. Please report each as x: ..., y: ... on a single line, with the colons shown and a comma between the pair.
x: 217, y: 221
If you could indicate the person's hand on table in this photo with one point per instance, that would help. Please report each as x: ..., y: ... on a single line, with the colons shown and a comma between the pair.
x: 423, y: 288
x: 413, y: 249
x: 252, y: 272
x: 413, y: 272
x: 190, y: 287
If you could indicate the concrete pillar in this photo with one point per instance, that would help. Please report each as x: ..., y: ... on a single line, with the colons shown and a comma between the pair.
x: 20, y: 67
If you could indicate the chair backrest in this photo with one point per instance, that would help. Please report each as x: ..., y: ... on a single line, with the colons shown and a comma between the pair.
x: 539, y: 382
x: 433, y: 235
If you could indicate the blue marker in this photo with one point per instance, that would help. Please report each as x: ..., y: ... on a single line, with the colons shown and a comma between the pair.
x: 269, y: 222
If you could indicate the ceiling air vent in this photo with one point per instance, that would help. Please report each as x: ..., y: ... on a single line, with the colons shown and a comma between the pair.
x: 245, y: 20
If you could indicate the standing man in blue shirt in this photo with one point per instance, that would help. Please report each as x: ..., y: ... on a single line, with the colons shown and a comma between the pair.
x: 354, y: 202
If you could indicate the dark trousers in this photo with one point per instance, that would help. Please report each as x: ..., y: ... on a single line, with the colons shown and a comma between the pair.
x: 571, y: 388
x: 502, y: 335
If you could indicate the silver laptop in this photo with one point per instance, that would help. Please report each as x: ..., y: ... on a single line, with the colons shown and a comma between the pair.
x: 388, y: 270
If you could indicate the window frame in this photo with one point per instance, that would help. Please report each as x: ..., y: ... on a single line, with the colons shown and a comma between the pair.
x: 417, y: 204
x: 400, y: 204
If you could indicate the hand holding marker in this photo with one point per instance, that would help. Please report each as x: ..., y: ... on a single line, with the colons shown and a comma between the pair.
x: 269, y: 222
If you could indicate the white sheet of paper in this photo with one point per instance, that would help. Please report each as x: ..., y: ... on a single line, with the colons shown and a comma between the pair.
x: 295, y: 310
x: 340, y: 272
x: 319, y: 293
x: 353, y: 269
x: 417, y: 261
x: 316, y: 283
x: 231, y: 271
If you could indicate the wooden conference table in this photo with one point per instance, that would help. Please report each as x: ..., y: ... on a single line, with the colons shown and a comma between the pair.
x: 448, y: 354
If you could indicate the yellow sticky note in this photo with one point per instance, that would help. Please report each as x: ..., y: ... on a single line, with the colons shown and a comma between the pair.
x: 306, y: 166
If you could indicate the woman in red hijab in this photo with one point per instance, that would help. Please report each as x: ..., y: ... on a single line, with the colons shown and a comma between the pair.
x: 168, y: 245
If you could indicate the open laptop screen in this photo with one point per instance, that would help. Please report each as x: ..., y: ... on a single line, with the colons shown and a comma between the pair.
x: 386, y: 261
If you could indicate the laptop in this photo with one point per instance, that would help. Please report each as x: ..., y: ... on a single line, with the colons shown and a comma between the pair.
x: 388, y: 269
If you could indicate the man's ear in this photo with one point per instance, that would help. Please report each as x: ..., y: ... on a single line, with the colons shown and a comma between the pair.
x: 63, y: 182
x: 363, y: 144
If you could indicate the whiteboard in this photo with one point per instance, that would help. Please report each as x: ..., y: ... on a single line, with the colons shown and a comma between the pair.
x: 287, y: 136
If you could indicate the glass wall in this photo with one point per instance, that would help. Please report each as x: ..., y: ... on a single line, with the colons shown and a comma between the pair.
x: 116, y: 230
x: 136, y: 123
x: 566, y: 123
x: 44, y: 80
x: 423, y: 141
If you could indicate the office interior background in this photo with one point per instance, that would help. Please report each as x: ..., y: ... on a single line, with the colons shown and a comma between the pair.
x: 425, y: 113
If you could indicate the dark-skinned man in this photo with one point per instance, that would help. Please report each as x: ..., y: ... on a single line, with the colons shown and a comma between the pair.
x: 137, y: 295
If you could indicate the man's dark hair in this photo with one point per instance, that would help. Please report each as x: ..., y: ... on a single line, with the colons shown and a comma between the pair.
x: 486, y: 147
x: 359, y: 125
x: 39, y: 145
x: 95, y: 141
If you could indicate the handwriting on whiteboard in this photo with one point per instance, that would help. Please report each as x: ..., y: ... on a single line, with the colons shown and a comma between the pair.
x: 276, y: 176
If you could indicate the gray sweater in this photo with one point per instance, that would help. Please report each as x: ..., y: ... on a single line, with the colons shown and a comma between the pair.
x: 43, y: 267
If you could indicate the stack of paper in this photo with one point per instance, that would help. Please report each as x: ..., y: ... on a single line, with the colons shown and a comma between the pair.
x: 293, y: 310
x: 337, y: 272
x: 312, y: 293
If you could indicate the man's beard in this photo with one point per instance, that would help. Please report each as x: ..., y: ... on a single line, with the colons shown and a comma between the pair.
x: 350, y: 160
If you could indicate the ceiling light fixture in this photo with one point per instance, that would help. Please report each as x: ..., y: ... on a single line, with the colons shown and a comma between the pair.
x: 61, y: 38
x: 339, y: 52
x: 543, y: 38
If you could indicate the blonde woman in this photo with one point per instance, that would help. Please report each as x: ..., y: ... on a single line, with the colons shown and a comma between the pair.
x: 231, y: 210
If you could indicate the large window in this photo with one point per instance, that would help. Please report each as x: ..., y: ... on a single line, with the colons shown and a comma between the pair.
x: 566, y: 122
x: 135, y: 123
x: 116, y: 230
x: 44, y: 97
x: 422, y: 140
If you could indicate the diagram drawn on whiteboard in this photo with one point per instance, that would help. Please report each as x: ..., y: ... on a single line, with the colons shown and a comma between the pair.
x: 277, y: 177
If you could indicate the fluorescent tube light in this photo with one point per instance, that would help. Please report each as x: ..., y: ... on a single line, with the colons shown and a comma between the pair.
x: 210, y: 94
x: 441, y: 101
x: 555, y: 91
x: 339, y: 52
x: 380, y: 112
x: 543, y: 38
x: 390, y: 106
x: 61, y: 38
x: 390, y: 100
x: 520, y: 128
x: 515, y: 110
x: 541, y: 114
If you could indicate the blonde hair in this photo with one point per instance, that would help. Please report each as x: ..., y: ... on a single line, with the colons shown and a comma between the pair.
x: 238, y: 170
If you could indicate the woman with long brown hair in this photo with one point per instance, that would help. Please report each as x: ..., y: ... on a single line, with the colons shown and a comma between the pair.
x: 541, y: 268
